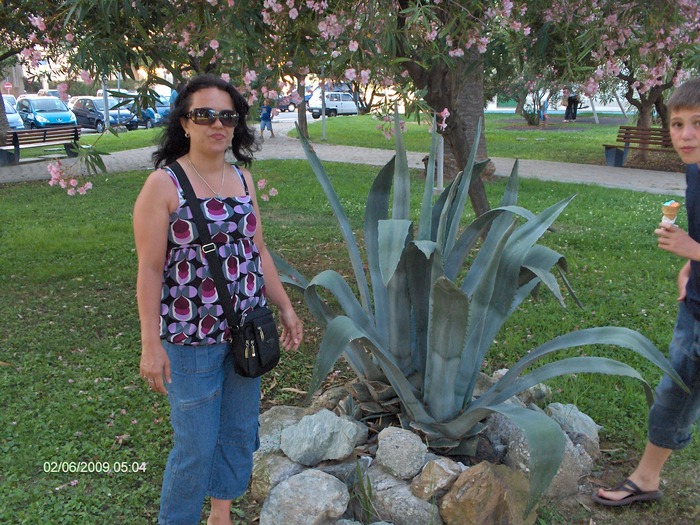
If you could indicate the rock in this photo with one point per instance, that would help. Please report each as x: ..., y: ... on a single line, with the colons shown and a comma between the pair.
x: 392, y: 500
x: 580, y: 428
x: 487, y: 494
x: 435, y: 478
x: 268, y: 471
x: 401, y: 452
x: 320, y: 437
x: 309, y: 498
x: 273, y: 422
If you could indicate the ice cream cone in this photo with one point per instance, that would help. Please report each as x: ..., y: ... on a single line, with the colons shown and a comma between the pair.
x: 670, y: 211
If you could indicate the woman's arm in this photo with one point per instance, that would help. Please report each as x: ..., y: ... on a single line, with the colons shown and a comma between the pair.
x: 154, y: 204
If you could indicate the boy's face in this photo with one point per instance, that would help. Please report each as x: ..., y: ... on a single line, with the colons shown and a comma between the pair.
x: 685, y: 134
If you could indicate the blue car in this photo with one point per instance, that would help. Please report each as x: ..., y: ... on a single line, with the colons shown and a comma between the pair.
x: 12, y: 116
x: 42, y: 112
x: 90, y: 112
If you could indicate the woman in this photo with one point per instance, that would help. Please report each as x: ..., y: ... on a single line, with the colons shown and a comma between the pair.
x: 214, y: 411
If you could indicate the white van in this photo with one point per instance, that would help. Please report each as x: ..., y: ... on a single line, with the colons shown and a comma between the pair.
x: 337, y: 103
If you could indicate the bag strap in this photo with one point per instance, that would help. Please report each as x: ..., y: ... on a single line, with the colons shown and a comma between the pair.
x: 208, y: 247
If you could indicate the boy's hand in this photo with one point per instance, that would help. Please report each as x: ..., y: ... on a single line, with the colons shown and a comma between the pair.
x: 674, y: 240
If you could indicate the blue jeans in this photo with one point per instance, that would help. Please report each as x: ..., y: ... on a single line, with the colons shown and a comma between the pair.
x: 674, y: 412
x: 214, y: 413
x: 265, y: 124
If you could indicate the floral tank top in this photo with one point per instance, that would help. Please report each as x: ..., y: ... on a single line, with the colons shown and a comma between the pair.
x: 191, y: 311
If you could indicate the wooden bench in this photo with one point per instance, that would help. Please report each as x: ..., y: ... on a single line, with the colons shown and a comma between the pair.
x: 19, y: 139
x: 632, y: 137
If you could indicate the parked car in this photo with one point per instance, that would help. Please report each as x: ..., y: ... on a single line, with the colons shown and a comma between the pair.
x: 163, y: 107
x: 43, y: 111
x: 286, y: 104
x: 337, y: 103
x: 147, y: 117
x: 90, y: 112
x: 12, y: 116
x: 11, y: 99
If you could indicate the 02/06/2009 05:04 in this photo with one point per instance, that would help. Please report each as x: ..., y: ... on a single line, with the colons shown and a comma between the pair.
x: 106, y: 467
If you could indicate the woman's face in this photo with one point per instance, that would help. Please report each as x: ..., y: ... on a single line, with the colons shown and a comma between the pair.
x: 214, y: 137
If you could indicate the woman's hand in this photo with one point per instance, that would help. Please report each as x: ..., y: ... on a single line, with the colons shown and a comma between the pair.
x: 292, y: 329
x: 155, y: 367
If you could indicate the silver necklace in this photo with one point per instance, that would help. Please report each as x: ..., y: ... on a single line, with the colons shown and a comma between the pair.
x: 217, y: 194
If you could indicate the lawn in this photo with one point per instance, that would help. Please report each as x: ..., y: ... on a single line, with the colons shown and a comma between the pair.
x: 70, y: 337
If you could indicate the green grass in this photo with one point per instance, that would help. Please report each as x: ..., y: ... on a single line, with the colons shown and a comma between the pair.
x: 507, y: 135
x: 70, y: 345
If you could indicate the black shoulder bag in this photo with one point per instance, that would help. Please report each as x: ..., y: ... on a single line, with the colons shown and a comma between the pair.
x: 254, y: 337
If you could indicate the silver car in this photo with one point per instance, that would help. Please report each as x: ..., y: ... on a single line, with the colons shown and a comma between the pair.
x: 12, y: 116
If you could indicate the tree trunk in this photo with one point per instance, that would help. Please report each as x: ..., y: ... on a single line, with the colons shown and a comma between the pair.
x: 301, y: 108
x: 460, y: 89
x: 4, y: 124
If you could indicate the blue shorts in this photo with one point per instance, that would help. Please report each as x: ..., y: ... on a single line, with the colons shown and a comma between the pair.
x: 214, y: 413
x: 265, y: 125
x: 675, y: 412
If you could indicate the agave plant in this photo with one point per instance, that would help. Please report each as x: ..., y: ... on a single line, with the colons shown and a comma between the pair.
x: 423, y: 323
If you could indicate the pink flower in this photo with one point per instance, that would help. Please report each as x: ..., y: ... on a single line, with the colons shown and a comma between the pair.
x: 273, y: 192
x: 265, y: 197
x: 353, y: 45
x: 350, y: 74
x: 262, y: 183
x: 214, y: 44
x: 293, y: 13
x: 69, y: 37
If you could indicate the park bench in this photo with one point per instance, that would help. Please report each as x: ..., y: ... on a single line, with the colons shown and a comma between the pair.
x: 19, y: 139
x: 632, y: 137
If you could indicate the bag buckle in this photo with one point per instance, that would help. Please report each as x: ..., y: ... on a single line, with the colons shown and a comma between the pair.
x: 208, y: 248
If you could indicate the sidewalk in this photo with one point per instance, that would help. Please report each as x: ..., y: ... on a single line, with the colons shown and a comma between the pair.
x: 284, y: 147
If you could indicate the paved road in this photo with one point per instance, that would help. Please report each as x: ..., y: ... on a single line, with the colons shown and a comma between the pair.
x: 284, y: 147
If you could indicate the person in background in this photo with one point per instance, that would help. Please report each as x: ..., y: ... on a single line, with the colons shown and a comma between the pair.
x: 572, y: 102
x: 185, y: 351
x: 266, y: 118
x: 674, y: 412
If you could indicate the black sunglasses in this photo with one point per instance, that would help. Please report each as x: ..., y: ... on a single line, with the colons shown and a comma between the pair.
x: 207, y: 116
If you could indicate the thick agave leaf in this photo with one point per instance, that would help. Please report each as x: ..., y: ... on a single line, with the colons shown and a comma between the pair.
x: 343, y: 222
x: 606, y: 335
x: 425, y: 261
x: 288, y: 274
x: 540, y: 260
x: 546, y: 444
x: 402, y: 179
x: 377, y: 209
x: 425, y: 222
x: 399, y: 328
x: 340, y: 332
x: 571, y: 365
x: 457, y: 208
x: 393, y: 236
x: 449, y: 314
x: 493, y: 297
x: 467, y: 240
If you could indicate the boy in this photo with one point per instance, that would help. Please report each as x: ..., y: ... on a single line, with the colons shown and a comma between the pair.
x: 266, y: 118
x: 674, y: 412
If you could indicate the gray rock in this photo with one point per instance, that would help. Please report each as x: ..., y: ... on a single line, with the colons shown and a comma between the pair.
x: 309, y: 498
x: 401, y: 452
x: 320, y: 437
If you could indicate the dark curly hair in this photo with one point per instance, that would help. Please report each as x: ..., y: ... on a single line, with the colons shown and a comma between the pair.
x: 174, y: 144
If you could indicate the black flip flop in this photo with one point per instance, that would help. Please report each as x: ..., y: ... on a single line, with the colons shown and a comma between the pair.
x: 635, y: 494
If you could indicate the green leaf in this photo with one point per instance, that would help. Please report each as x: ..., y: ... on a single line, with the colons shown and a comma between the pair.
x: 449, y: 314
x: 393, y: 236
x: 425, y: 221
x: 343, y: 222
x: 546, y: 443
x: 402, y: 179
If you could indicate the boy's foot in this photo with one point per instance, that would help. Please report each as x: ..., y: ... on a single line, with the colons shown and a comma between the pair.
x: 625, y: 493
